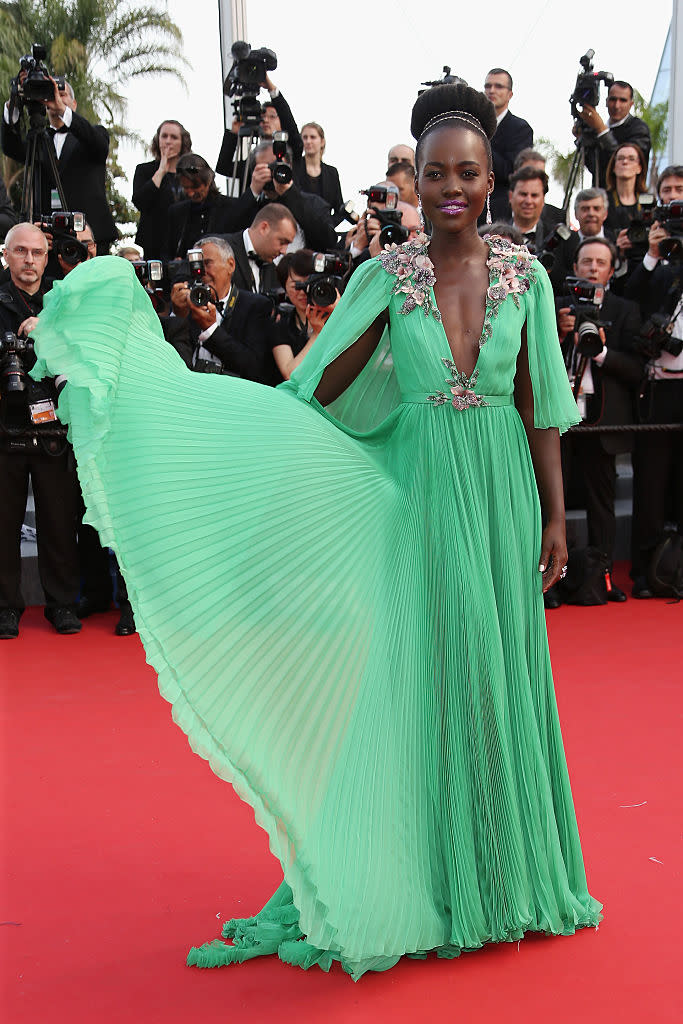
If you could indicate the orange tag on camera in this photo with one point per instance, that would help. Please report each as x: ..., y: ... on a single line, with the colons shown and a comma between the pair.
x: 43, y: 412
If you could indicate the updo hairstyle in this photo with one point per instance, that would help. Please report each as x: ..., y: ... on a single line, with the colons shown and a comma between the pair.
x: 474, y: 110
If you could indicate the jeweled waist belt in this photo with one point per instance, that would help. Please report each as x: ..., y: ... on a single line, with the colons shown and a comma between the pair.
x: 428, y: 397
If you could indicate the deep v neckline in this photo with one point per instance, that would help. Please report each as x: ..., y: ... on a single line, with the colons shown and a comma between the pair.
x: 487, y: 308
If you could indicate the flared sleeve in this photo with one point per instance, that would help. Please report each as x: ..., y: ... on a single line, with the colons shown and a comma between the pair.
x: 366, y: 295
x: 554, y: 404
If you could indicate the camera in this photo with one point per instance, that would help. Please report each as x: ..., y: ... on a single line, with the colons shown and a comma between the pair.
x: 244, y: 79
x: 392, y: 231
x: 637, y: 231
x: 656, y: 337
x: 12, y: 373
x: 325, y: 280
x: 547, y: 257
x: 671, y: 217
x: 36, y: 87
x: 587, y: 87
x: 63, y: 225
x: 281, y: 171
x: 448, y: 79
x: 381, y: 194
x: 148, y: 271
x: 586, y: 299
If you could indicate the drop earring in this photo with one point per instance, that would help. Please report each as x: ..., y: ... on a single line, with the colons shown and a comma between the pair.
x: 420, y: 213
x: 488, y: 208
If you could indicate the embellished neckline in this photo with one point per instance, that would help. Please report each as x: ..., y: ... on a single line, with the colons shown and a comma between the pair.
x: 510, y: 269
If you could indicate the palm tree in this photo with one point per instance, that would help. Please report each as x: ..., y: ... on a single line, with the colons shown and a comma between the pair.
x: 99, y: 45
x: 656, y: 117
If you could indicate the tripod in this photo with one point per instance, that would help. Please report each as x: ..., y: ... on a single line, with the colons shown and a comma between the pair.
x: 38, y: 139
x: 586, y: 155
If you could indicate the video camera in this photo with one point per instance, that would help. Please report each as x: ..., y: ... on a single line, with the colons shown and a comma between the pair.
x: 325, y: 279
x: 36, y: 87
x: 586, y: 299
x: 448, y: 79
x: 392, y: 231
x: 245, y: 78
x: 587, y: 87
x: 63, y: 226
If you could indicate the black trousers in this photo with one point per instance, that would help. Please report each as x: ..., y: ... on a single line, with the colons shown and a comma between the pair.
x: 56, y: 495
x: 657, y: 473
x: 597, y: 473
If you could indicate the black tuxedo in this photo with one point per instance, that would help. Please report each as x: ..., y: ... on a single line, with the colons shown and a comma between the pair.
x: 564, y: 256
x: 49, y: 464
x: 154, y: 204
x: 243, y: 342
x: 82, y: 167
x: 8, y: 216
x: 546, y: 224
x: 312, y: 214
x: 633, y: 130
x: 658, y: 456
x: 187, y: 222
x: 243, y: 276
x: 512, y: 135
x: 592, y: 456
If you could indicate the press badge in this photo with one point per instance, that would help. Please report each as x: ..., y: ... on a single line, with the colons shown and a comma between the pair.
x: 43, y: 412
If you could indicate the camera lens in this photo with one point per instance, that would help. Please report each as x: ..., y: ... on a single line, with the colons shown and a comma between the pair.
x: 589, y: 343
x: 322, y: 292
x: 201, y: 294
x: 282, y: 173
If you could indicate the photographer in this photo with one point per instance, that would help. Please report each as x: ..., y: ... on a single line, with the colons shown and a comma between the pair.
x: 156, y: 187
x: 299, y: 326
x: 385, y: 220
x: 8, y: 217
x: 528, y: 188
x: 512, y: 135
x: 229, y: 335
x: 315, y: 177
x: 276, y: 116
x: 272, y: 231
x: 205, y: 210
x: 81, y: 150
x: 402, y: 175
x: 32, y: 447
x: 275, y: 177
x: 658, y: 456
x: 532, y: 158
x: 401, y: 154
x: 608, y: 382
x: 621, y: 127
x: 590, y: 208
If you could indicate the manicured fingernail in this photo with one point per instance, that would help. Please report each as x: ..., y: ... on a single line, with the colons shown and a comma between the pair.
x: 541, y: 567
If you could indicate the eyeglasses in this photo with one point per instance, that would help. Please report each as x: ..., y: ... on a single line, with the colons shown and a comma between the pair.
x: 22, y: 251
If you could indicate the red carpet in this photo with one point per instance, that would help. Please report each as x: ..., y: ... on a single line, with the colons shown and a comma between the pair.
x: 122, y: 849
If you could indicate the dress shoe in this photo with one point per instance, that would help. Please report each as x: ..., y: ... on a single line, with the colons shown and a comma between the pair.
x: 126, y: 624
x: 86, y: 606
x: 64, y: 620
x: 616, y: 594
x: 9, y: 624
x: 641, y: 589
x: 551, y: 598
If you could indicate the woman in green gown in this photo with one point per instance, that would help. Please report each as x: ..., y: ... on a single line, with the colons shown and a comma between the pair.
x: 339, y: 581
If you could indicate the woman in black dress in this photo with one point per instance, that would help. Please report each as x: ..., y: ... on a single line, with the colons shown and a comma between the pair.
x: 156, y: 188
x: 312, y: 175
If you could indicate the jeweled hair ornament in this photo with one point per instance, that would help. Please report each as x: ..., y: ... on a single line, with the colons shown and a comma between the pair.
x: 455, y: 115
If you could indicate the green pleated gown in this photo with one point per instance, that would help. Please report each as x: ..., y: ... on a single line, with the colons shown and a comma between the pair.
x: 343, y: 605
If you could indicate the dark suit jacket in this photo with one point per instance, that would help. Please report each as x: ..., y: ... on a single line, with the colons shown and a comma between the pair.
x: 218, y: 214
x: 651, y: 289
x: 13, y: 312
x: 563, y: 265
x: 313, y: 217
x: 243, y: 276
x: 244, y: 345
x: 631, y: 130
x: 616, y: 381
x: 81, y: 166
x: 511, y: 136
x: 153, y: 204
x: 546, y: 224
x: 330, y: 187
x: 8, y: 216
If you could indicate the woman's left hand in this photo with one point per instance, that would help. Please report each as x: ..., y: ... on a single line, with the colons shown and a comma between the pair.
x: 553, y: 554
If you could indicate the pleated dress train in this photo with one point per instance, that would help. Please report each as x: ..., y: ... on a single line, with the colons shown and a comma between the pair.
x: 343, y: 605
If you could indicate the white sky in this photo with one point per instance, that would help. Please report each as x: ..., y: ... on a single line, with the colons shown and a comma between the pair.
x: 356, y: 67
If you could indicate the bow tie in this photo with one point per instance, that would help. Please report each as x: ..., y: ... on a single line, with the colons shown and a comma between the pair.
x: 255, y: 258
x: 58, y: 131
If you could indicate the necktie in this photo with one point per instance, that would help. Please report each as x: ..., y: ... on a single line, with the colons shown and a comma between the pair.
x: 255, y: 258
x: 58, y: 131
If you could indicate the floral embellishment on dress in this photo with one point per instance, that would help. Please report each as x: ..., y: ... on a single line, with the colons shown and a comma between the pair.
x: 461, y: 387
x: 511, y: 272
x: 414, y: 272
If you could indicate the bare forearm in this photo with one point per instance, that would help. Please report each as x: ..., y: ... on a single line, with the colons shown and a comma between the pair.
x: 544, y: 446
